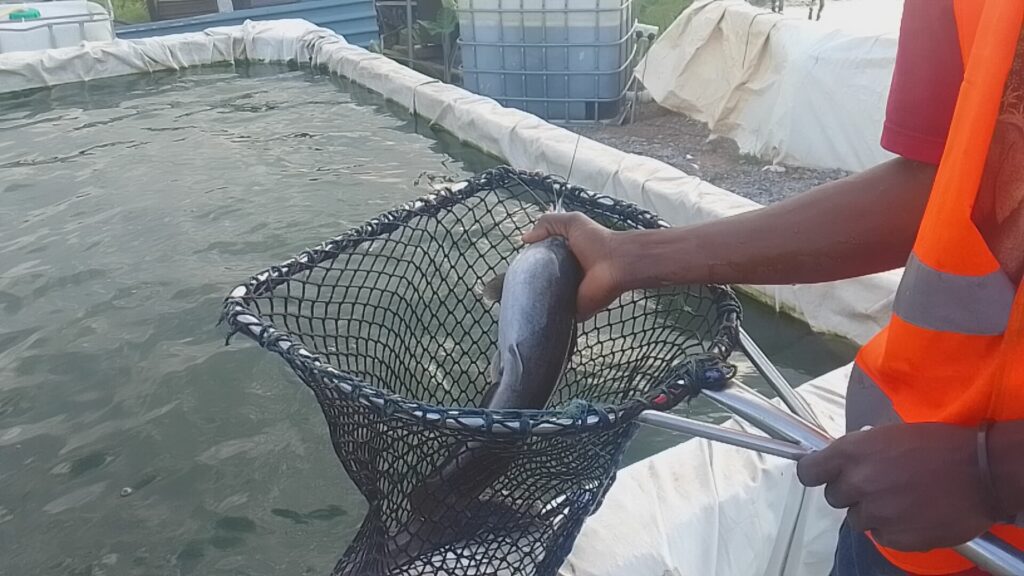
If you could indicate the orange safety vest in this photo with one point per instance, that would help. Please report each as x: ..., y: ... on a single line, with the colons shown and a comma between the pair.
x: 953, y: 351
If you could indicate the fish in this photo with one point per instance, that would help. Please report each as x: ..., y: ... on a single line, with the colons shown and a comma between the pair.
x: 536, y: 338
x: 537, y: 335
x: 536, y: 324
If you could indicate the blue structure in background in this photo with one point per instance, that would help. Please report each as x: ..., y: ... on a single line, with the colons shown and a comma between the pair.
x: 356, y: 20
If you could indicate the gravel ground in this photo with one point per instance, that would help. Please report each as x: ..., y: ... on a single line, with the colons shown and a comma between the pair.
x: 682, y: 142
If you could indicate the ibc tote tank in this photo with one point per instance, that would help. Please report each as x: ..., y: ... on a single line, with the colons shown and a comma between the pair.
x: 562, y: 60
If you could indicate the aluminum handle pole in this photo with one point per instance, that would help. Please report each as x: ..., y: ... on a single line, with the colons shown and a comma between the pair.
x: 776, y: 380
x: 728, y: 436
x: 768, y: 417
x: 993, y: 555
x: 987, y: 551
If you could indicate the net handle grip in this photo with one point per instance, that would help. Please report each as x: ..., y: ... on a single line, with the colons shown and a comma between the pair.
x: 792, y: 437
x: 988, y: 551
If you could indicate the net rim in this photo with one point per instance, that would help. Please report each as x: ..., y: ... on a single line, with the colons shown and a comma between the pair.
x: 240, y: 317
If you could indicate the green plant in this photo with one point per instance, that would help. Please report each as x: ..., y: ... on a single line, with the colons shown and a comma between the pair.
x: 660, y: 13
x: 130, y: 11
x: 444, y: 25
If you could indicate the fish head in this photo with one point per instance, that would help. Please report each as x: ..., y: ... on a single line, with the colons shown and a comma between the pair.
x: 536, y: 324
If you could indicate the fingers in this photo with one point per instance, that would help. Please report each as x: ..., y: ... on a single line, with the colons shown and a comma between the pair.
x: 547, y: 225
x: 897, y: 540
x: 862, y: 519
x: 917, y: 538
x: 838, y: 495
x: 855, y: 518
x: 820, y: 467
x: 554, y: 225
x: 538, y: 232
x: 826, y: 467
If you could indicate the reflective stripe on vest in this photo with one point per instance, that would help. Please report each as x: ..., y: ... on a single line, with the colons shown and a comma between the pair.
x: 978, y: 305
x: 953, y: 350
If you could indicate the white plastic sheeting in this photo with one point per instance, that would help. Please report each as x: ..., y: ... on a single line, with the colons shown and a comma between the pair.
x: 706, y: 509
x: 672, y: 514
x: 788, y: 90
x: 262, y: 41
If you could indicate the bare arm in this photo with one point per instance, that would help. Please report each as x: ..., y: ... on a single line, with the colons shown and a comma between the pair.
x: 859, y: 225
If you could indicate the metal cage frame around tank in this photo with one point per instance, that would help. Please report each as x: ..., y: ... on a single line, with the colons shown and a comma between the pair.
x: 625, y: 44
x: 242, y: 318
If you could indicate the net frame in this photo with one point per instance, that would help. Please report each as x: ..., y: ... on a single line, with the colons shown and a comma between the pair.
x: 332, y: 385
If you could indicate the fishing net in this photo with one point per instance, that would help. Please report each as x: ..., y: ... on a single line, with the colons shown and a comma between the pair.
x: 385, y: 325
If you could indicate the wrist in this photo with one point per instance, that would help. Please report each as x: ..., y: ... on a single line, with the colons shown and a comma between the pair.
x: 646, y: 259
x: 627, y: 260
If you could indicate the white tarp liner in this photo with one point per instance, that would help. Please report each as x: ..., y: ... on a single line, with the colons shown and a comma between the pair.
x: 707, y: 509
x: 673, y: 514
x: 788, y: 90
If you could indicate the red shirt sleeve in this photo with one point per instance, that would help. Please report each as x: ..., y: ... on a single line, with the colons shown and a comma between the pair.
x: 925, y: 83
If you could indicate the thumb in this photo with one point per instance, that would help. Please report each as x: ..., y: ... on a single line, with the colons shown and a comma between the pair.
x: 542, y: 230
x: 820, y: 467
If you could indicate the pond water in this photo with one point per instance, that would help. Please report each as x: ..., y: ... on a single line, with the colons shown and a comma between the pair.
x: 132, y: 441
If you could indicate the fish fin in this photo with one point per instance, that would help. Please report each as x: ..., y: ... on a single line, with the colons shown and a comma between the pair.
x: 495, y: 379
x: 493, y: 287
x: 496, y: 367
x: 514, y: 368
x: 489, y: 395
x: 511, y: 371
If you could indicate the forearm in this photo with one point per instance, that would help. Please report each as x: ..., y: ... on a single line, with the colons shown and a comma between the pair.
x: 859, y: 225
x: 1006, y: 455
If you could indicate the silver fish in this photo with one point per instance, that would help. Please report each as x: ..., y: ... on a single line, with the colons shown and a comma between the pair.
x: 536, y: 324
x: 536, y: 338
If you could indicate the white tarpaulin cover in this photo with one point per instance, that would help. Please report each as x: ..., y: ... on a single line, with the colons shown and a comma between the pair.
x: 673, y: 514
x: 706, y: 509
x: 788, y: 90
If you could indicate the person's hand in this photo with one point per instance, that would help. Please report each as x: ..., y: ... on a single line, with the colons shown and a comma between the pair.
x: 595, y: 248
x: 914, y: 487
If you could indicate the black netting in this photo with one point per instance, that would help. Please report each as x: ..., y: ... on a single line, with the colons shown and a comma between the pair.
x: 384, y: 324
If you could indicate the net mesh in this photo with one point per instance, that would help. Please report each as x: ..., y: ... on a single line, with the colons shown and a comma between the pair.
x: 384, y: 324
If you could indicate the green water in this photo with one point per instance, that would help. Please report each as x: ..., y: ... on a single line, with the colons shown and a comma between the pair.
x: 128, y: 208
